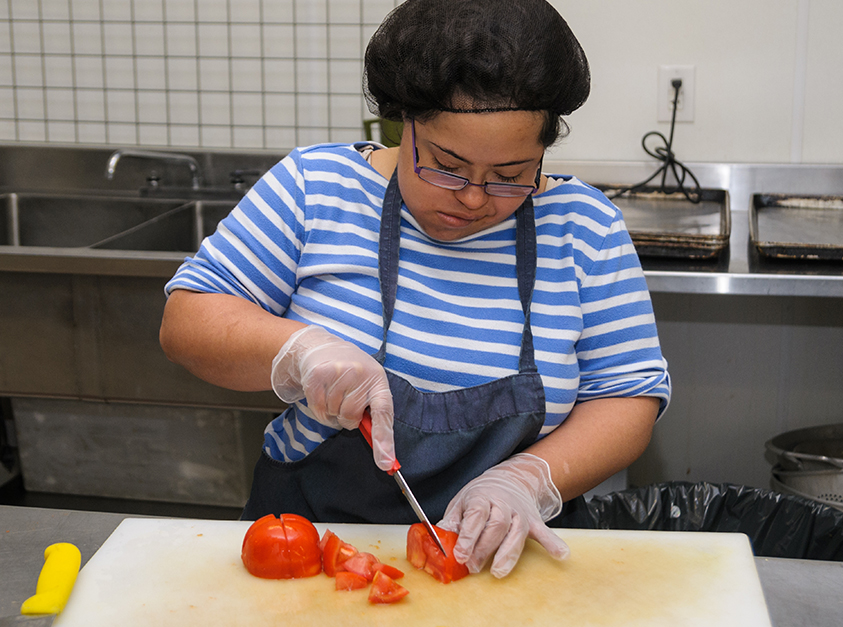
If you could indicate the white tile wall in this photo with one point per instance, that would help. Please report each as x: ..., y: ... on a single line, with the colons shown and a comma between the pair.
x: 280, y: 73
x: 187, y: 73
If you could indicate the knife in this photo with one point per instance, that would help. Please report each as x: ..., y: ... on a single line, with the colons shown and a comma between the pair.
x: 61, y: 567
x: 395, y: 472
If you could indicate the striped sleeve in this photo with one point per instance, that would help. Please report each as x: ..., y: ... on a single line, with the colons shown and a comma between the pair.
x: 618, y: 351
x: 255, y: 250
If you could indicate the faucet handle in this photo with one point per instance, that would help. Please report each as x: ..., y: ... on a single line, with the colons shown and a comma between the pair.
x: 154, y: 179
x: 236, y: 177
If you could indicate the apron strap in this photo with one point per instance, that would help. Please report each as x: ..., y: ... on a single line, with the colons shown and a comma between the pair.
x: 525, y: 260
x: 388, y: 252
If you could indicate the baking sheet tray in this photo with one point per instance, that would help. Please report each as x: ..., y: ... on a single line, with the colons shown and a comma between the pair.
x: 797, y: 227
x: 669, y: 225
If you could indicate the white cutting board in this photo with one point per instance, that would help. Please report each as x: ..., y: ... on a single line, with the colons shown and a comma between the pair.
x: 160, y: 572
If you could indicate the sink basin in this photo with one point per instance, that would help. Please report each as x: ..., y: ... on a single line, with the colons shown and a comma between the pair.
x: 106, y: 222
x: 180, y: 229
x: 72, y: 221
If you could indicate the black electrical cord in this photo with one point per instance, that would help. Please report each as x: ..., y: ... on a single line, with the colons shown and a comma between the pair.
x: 669, y: 162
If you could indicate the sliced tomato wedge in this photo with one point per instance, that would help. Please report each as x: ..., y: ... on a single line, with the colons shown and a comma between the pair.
x: 423, y: 553
x: 324, y: 539
x: 334, y: 552
x: 282, y: 548
x: 347, y: 580
x: 386, y: 569
x: 386, y: 590
x: 363, y: 564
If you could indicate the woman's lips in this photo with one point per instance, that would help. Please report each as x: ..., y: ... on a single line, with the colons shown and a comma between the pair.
x: 455, y: 221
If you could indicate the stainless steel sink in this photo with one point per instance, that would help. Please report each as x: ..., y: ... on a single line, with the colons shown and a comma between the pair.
x: 181, y: 228
x: 73, y: 221
x: 81, y: 296
x: 77, y: 221
x: 108, y: 223
x: 83, y: 264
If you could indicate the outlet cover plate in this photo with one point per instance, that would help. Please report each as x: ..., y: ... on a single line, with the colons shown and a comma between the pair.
x: 685, y: 106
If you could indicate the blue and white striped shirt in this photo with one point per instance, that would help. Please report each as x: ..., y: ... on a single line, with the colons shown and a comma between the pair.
x: 303, y: 244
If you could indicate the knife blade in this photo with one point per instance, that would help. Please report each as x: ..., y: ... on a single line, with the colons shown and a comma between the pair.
x: 395, y: 472
x: 61, y: 567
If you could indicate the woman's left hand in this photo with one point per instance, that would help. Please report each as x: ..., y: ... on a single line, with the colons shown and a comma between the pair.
x: 500, y: 509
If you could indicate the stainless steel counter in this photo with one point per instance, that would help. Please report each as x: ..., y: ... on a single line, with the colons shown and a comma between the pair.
x: 802, y: 592
x: 799, y: 593
x: 741, y: 270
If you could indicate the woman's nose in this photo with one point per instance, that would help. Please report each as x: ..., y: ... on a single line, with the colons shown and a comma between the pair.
x: 472, y: 196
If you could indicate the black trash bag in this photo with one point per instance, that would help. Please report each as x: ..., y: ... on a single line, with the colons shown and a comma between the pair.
x: 778, y: 525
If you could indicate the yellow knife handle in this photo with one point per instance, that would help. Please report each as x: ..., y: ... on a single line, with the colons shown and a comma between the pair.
x: 61, y: 566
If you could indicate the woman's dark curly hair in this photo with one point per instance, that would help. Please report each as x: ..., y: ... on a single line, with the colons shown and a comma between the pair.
x: 430, y: 56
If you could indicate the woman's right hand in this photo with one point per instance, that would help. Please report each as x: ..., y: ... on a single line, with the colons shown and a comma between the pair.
x: 339, y: 382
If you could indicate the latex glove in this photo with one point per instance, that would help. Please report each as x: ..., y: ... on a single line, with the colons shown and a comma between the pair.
x: 500, y: 509
x: 339, y: 381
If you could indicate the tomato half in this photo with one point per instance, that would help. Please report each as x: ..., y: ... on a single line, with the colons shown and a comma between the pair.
x: 385, y: 590
x: 334, y: 552
x: 282, y: 548
x: 423, y: 553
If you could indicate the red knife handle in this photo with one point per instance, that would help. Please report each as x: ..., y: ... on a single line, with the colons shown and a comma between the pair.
x: 366, y: 430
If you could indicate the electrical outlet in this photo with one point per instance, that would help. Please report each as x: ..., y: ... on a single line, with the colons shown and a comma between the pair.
x: 685, y: 105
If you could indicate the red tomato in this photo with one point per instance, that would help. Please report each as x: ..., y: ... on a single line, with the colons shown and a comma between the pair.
x: 324, y: 540
x: 362, y: 564
x: 350, y: 581
x: 386, y: 569
x: 385, y: 590
x: 334, y: 552
x: 423, y: 553
x: 282, y: 548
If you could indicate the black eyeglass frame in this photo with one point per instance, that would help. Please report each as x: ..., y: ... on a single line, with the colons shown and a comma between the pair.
x: 460, y: 182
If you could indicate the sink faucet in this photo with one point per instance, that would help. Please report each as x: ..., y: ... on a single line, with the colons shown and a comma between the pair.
x: 151, y: 154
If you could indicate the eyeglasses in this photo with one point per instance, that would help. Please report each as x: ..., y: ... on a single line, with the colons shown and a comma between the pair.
x: 455, y: 182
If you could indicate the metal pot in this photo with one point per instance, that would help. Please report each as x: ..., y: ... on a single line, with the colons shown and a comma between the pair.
x: 810, y: 463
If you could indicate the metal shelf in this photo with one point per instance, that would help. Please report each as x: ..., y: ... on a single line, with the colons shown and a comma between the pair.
x: 741, y: 270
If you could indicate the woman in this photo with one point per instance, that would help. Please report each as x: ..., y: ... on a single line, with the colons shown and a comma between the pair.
x: 495, y: 321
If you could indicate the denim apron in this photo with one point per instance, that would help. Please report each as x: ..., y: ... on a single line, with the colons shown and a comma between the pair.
x: 442, y: 439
